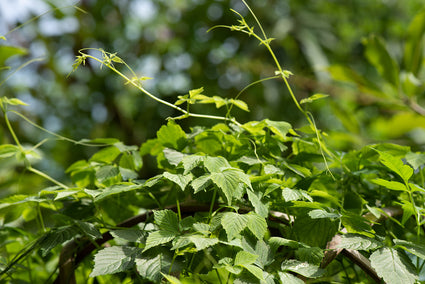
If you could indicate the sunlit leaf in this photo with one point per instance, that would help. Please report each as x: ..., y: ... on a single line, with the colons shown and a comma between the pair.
x: 393, y: 185
x: 181, y: 180
x: 393, y: 267
x: 233, y: 224
x: 114, y: 259
x: 313, y: 98
x: 414, y: 248
x: 303, y: 268
x: 358, y: 242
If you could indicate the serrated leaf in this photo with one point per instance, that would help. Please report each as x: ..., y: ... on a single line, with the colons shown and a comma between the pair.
x: 313, y: 98
x: 229, y: 180
x: 233, y: 224
x: 151, y: 266
x: 216, y: 164
x: 393, y: 267
x: 255, y: 270
x: 257, y: 225
x: 56, y: 237
x: 190, y: 162
x: 276, y: 242
x: 115, y: 189
x: 396, y: 165
x: 130, y: 235
x: 324, y: 230
x: 358, y: 242
x: 167, y: 220
x: 393, y: 185
x: 240, y: 104
x: 321, y: 213
x: 357, y: 224
x: 288, y: 278
x: 158, y: 238
x: 413, y: 248
x: 313, y: 255
x: 114, y: 259
x: 280, y: 128
x: 181, y: 180
x: 106, y: 155
x: 260, y: 208
x: 173, y: 157
x: 202, y: 242
x: 303, y: 268
x: 172, y: 136
x: 415, y: 159
x: 88, y: 229
x: 243, y: 258
x: 201, y: 183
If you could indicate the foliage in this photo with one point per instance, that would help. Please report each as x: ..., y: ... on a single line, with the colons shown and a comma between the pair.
x: 235, y: 202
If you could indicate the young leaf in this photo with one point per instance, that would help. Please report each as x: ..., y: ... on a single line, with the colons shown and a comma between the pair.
x: 303, y: 268
x: 216, y: 164
x: 313, y: 98
x: 114, y: 259
x: 8, y: 150
x: 393, y: 267
x: 233, y: 224
x: 280, y: 128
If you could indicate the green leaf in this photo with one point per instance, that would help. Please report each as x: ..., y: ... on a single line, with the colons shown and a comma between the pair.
x: 229, y: 180
x: 244, y: 258
x: 151, y: 266
x: 167, y: 220
x: 313, y: 255
x: 413, y: 248
x: 378, y: 55
x: 116, y: 189
x: 321, y: 213
x: 56, y: 237
x: 255, y: 270
x: 233, y: 224
x: 240, y: 104
x: 358, y: 242
x: 216, y: 164
x: 324, y: 230
x: 201, y: 183
x: 288, y: 278
x: 257, y: 225
x: 396, y: 165
x: 357, y: 224
x: 171, y: 279
x: 202, y: 242
x: 105, y: 173
x: 276, y: 242
x: 260, y: 208
x: 8, y: 150
x: 7, y: 51
x: 313, y: 98
x: 393, y: 267
x: 190, y: 162
x: 106, y: 155
x: 88, y: 229
x: 303, y: 268
x: 412, y: 59
x: 416, y: 160
x: 172, y: 136
x: 393, y: 185
x: 280, y: 128
x: 181, y: 180
x: 158, y: 238
x: 130, y: 235
x: 114, y: 259
x: 173, y: 157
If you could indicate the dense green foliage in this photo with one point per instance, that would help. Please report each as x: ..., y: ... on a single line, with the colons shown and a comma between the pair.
x: 222, y: 200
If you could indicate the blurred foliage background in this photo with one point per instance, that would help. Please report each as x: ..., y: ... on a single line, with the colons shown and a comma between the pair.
x: 168, y: 41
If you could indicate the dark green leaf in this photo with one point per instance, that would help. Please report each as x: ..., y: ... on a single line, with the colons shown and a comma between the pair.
x: 303, y: 268
x: 413, y: 248
x: 55, y: 238
x: 167, y: 220
x: 313, y: 255
x: 116, y: 189
x: 358, y: 242
x: 151, y: 265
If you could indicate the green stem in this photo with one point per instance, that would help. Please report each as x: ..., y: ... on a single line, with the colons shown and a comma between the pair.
x: 178, y: 210
x: 37, y: 172
x: 40, y: 217
x: 212, y: 204
x: 12, y: 132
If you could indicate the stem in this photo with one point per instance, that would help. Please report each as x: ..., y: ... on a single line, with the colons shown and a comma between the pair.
x: 212, y: 204
x: 178, y: 210
x: 9, y: 126
x: 37, y: 172
x: 40, y: 217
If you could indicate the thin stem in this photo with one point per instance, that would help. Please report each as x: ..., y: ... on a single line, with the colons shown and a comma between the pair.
x: 40, y: 217
x: 37, y: 172
x: 12, y: 132
x: 178, y: 210
x: 212, y: 204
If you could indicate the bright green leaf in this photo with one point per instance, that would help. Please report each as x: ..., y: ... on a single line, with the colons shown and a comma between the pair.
x: 172, y: 136
x: 393, y: 185
x: 167, y: 220
x: 216, y: 164
x: 116, y: 189
x: 396, y: 165
x: 181, y: 180
x: 257, y: 225
x: 244, y: 258
x: 201, y: 183
x: 173, y: 157
x: 158, y: 238
x: 313, y: 98
x: 358, y: 242
x: 288, y: 278
x: 415, y: 159
x: 8, y: 150
x: 414, y: 44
